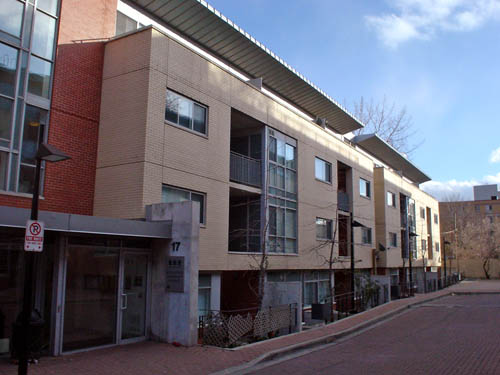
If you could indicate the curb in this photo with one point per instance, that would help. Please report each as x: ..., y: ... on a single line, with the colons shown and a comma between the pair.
x: 324, y: 340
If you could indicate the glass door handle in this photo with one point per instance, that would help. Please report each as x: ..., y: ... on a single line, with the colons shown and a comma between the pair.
x: 124, y: 301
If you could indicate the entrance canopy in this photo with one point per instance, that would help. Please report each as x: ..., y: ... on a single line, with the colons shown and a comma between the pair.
x: 61, y: 222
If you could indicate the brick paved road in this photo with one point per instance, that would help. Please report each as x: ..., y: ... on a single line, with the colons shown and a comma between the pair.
x: 452, y: 335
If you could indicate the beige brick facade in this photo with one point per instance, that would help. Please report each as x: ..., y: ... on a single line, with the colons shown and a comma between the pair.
x: 139, y: 151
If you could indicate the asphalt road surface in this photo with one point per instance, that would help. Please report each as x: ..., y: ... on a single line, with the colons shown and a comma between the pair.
x: 453, y: 335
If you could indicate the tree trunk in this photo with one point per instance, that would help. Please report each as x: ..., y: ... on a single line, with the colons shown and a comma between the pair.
x: 486, y: 268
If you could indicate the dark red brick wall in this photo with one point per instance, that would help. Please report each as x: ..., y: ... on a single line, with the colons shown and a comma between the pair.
x: 76, y: 98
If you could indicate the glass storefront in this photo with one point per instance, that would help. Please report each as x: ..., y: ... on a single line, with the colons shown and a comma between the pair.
x: 12, y: 283
x: 90, y: 298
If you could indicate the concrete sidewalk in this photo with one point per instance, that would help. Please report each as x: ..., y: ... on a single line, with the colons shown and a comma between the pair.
x: 158, y: 358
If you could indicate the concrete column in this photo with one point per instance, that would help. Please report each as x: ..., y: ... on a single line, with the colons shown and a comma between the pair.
x: 174, y: 314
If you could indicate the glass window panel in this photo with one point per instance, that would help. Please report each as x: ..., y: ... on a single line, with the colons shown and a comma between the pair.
x: 35, y: 120
x: 28, y: 26
x: 203, y: 302
x: 323, y: 291
x: 204, y: 281
x: 184, y: 113
x: 200, y: 198
x: 322, y: 170
x: 280, y: 221
x: 172, y: 107
x: 11, y: 17
x: 272, y: 220
x: 172, y: 195
x: 43, y: 36
x: 13, y: 172
x: 290, y: 156
x: 280, y: 177
x: 290, y: 246
x: 272, y: 244
x: 6, y: 106
x: 310, y: 293
x: 8, y: 64
x: 281, y: 152
x: 26, y: 177
x: 4, y: 166
x: 124, y: 24
x: 199, y: 119
x: 39, y: 77
x: 280, y: 245
x: 50, y: 6
x: 272, y: 148
x: 320, y: 228
x: 90, y: 300
x: 291, y: 223
x: 291, y: 181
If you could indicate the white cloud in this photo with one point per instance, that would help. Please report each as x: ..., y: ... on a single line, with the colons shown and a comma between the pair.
x: 440, y: 190
x: 422, y: 19
x: 495, y: 156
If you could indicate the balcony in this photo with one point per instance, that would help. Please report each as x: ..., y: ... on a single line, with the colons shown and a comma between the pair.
x: 343, y: 201
x: 245, y: 170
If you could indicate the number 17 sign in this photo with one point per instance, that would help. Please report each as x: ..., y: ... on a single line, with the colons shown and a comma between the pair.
x: 33, y: 241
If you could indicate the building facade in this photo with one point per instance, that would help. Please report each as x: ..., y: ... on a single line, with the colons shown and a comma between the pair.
x: 485, y: 209
x: 159, y: 104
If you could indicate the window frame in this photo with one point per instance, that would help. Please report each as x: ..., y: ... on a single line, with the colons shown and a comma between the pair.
x: 203, y: 208
x: 367, y: 188
x: 329, y: 224
x: 192, y: 102
x: 325, y: 164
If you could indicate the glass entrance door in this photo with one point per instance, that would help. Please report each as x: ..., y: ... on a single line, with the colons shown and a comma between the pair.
x: 133, y: 296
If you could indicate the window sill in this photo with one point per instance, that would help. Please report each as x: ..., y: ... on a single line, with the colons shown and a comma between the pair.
x: 19, y: 195
x: 365, y: 197
x: 205, y: 136
x: 323, y: 181
x: 269, y: 253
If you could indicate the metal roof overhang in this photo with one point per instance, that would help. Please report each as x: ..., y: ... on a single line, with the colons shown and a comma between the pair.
x: 61, y: 222
x: 383, y: 151
x: 206, y: 27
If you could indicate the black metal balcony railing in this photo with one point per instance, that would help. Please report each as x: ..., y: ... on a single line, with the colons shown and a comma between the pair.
x: 343, y: 201
x: 245, y: 170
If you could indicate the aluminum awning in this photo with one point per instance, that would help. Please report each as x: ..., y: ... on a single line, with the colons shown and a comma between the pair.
x: 387, y: 154
x: 210, y: 30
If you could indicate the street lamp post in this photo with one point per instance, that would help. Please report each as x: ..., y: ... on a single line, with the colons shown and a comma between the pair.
x: 49, y: 153
x: 354, y: 224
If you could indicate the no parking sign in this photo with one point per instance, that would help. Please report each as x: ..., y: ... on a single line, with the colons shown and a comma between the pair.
x: 33, y: 241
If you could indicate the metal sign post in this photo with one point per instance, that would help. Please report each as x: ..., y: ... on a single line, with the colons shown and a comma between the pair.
x: 33, y: 240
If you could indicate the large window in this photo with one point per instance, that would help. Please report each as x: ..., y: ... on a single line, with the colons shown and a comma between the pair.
x: 184, y: 112
x: 282, y: 200
x: 324, y: 229
x: 175, y: 195
x: 364, y: 188
x: 316, y: 286
x: 366, y: 235
x: 27, y: 48
x: 322, y: 170
x: 391, y: 199
x: 124, y: 24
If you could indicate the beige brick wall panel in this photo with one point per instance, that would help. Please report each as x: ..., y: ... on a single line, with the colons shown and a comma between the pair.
x: 127, y: 54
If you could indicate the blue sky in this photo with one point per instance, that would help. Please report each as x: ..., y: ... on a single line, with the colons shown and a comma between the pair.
x: 438, y: 58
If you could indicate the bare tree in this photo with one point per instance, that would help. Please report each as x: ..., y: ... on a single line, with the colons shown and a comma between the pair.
x: 481, y: 240
x: 394, y: 125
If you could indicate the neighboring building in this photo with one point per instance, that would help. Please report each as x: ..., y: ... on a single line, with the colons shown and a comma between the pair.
x: 455, y: 215
x: 211, y: 117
